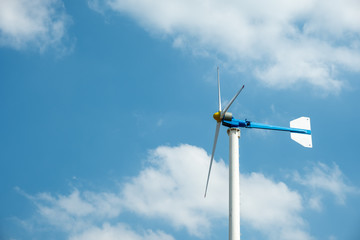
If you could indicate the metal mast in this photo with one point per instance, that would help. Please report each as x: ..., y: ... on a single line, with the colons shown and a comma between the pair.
x: 234, y: 184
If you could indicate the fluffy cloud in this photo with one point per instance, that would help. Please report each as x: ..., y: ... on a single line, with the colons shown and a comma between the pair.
x: 37, y: 23
x: 322, y: 178
x: 76, y: 211
x: 283, y: 43
x: 109, y: 232
x: 171, y: 188
x: 272, y: 208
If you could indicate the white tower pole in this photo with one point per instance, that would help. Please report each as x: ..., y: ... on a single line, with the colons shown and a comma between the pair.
x: 234, y: 184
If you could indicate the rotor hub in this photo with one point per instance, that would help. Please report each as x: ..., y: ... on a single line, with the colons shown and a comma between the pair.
x: 217, y: 115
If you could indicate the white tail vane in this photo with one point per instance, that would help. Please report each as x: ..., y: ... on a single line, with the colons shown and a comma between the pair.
x: 303, y: 139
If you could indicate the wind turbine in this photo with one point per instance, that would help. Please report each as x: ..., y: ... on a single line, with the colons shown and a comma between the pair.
x: 300, y: 131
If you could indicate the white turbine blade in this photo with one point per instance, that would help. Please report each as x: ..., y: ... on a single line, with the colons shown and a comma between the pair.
x: 232, y: 100
x: 212, y: 154
x: 218, y: 80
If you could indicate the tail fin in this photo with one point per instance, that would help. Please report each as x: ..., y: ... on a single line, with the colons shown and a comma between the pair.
x: 303, y: 139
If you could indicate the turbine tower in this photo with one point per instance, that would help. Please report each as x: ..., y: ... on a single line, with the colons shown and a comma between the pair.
x: 300, y: 131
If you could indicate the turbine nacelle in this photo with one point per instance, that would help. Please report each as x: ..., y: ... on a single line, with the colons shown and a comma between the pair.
x: 219, y: 117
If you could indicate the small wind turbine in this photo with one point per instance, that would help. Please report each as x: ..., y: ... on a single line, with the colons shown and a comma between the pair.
x: 300, y: 132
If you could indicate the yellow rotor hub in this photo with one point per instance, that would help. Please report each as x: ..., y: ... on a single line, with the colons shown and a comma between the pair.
x: 217, y: 115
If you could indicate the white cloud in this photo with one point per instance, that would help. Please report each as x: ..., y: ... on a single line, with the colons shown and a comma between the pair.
x: 321, y: 177
x: 76, y: 211
x: 283, y: 43
x: 272, y: 208
x: 119, y: 231
x: 315, y: 203
x: 160, y: 191
x: 38, y: 23
x: 171, y: 188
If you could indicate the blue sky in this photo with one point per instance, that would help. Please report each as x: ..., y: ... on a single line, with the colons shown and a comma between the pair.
x: 106, y: 118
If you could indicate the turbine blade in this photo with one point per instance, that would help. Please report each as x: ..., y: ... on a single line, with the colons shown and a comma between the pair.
x: 219, y: 96
x: 212, y: 154
x: 232, y: 100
